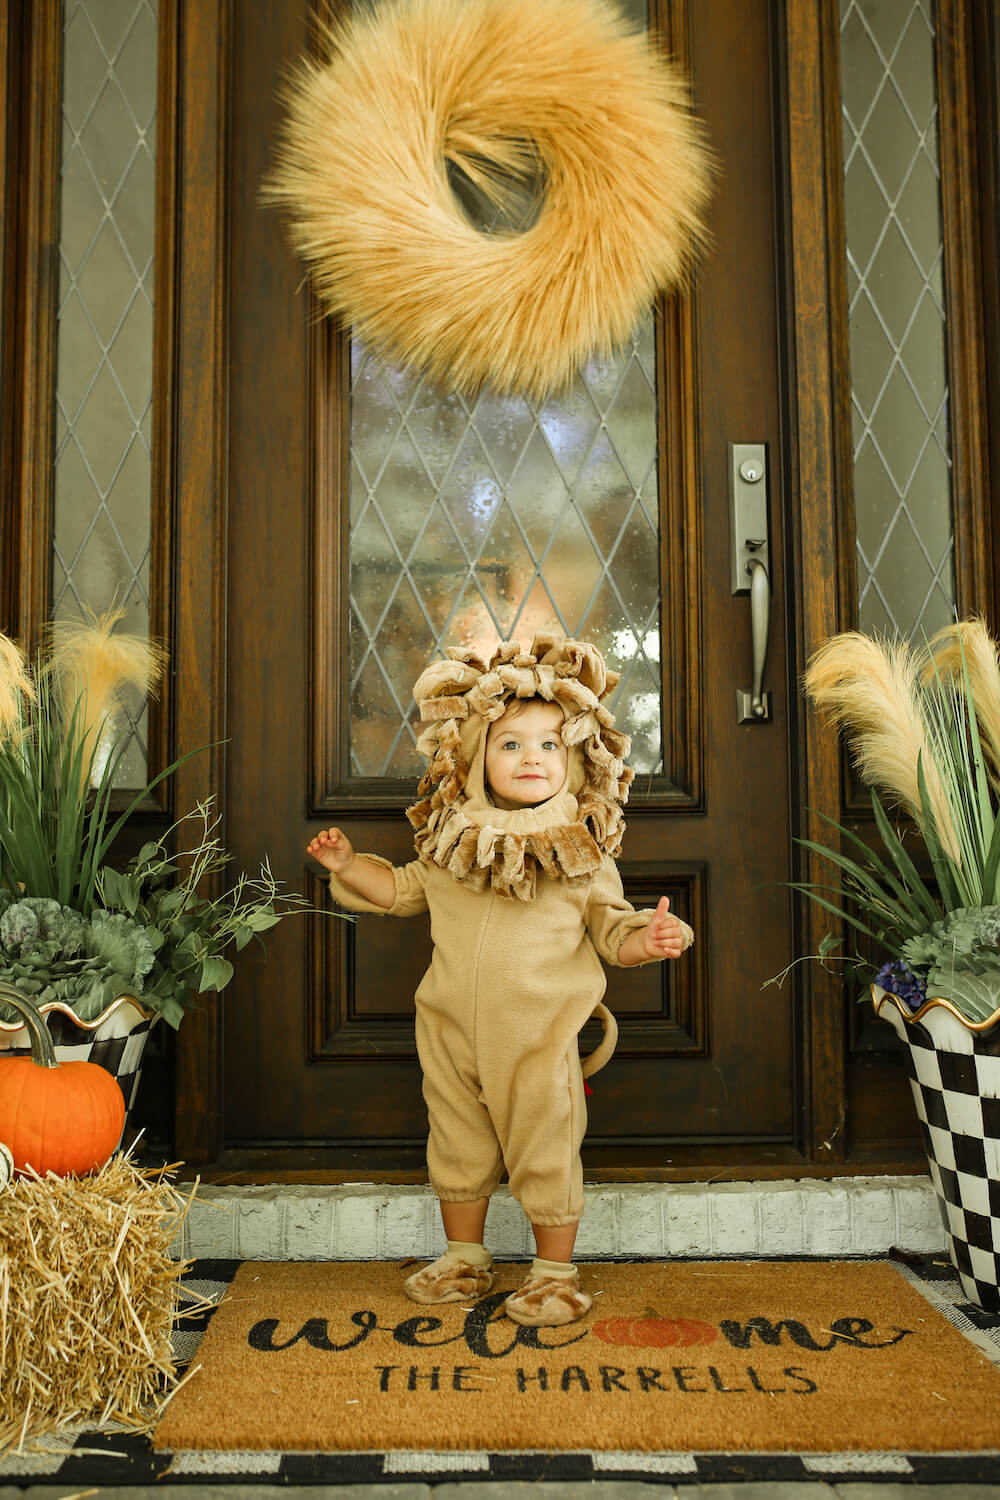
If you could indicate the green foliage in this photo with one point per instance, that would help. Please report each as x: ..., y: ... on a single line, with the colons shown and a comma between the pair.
x: 56, y: 826
x: 191, y: 933
x: 946, y: 928
x: 74, y: 929
x: 152, y: 936
x: 886, y: 901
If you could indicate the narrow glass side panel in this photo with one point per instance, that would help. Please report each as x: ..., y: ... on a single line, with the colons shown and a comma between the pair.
x: 104, y: 355
x: 899, y: 390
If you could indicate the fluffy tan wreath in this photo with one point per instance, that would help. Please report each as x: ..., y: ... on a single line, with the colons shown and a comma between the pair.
x: 414, y: 84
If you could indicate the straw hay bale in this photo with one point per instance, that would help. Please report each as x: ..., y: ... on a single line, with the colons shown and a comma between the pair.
x: 88, y: 1295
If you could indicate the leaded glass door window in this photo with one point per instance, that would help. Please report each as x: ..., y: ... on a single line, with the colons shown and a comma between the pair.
x: 473, y: 521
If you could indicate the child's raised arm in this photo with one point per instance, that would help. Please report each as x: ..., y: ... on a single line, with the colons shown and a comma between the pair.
x: 333, y: 850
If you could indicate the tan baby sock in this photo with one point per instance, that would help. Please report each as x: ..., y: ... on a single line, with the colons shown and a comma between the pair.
x: 469, y: 1252
x: 540, y: 1267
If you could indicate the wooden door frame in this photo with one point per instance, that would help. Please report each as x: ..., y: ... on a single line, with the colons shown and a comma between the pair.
x: 818, y: 453
x: 200, y: 339
x: 31, y: 38
x: 190, y: 482
x: 190, y: 411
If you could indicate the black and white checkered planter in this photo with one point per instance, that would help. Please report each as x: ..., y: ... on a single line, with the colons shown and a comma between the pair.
x: 956, y: 1090
x: 115, y: 1040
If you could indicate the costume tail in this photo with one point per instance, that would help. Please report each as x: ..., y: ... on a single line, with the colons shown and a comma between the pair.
x: 602, y: 1052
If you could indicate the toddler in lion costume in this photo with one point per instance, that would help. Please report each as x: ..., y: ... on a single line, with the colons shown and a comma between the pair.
x: 517, y: 829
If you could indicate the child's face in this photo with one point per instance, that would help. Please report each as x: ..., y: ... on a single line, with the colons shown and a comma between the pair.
x: 525, y: 756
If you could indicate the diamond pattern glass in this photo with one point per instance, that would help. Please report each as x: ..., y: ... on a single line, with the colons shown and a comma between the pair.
x: 499, y: 517
x: 104, y: 351
x: 896, y: 317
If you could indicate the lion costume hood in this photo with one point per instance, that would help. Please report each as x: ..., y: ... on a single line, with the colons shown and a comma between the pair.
x: 457, y: 825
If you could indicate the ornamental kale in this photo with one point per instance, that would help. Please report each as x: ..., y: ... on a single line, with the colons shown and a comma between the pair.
x: 51, y: 952
x: 34, y: 921
x: 958, y: 958
x: 122, y: 945
x: 966, y: 933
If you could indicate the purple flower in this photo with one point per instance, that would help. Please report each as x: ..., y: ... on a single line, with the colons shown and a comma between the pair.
x: 900, y: 979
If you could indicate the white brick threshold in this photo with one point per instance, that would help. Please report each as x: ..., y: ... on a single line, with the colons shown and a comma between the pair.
x: 365, y: 1221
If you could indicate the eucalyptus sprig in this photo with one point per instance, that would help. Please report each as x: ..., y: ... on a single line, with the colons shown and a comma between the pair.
x: 190, y: 932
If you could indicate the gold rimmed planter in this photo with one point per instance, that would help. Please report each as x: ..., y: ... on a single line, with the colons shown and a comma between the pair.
x: 955, y: 1080
x: 116, y: 1039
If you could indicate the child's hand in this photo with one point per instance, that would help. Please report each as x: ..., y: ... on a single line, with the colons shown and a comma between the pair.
x: 332, y: 848
x: 664, y: 934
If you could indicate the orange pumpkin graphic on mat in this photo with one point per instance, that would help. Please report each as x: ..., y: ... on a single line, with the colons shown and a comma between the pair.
x: 653, y: 1332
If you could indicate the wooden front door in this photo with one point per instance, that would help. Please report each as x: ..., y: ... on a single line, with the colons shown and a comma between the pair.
x: 324, y: 640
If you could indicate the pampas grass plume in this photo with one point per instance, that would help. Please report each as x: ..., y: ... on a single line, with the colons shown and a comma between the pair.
x: 91, y: 663
x: 871, y: 689
x: 15, y: 687
x: 969, y: 640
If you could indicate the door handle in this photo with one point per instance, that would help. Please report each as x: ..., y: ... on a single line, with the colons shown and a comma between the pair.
x: 760, y: 609
x: 750, y: 565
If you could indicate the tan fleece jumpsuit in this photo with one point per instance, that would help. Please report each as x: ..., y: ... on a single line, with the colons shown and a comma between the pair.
x: 524, y: 905
x: 510, y: 985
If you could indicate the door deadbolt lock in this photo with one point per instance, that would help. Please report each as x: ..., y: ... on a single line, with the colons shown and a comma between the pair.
x: 750, y: 565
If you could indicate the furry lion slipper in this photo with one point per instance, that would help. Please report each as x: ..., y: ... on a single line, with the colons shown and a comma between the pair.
x: 491, y: 86
x: 548, y: 1301
x: 449, y: 1279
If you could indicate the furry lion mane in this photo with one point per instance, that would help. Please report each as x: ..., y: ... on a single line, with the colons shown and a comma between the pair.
x: 404, y: 88
x: 468, y: 691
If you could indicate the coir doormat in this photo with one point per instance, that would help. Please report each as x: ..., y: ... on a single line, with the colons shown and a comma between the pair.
x: 816, y: 1356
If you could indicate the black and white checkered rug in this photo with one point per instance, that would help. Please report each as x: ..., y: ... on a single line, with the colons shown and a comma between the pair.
x: 118, y: 1457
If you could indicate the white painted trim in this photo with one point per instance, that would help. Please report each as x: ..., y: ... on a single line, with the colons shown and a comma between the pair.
x: 365, y: 1221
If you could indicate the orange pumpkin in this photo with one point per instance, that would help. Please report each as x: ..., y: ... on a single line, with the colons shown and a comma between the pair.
x: 55, y: 1117
x: 655, y: 1333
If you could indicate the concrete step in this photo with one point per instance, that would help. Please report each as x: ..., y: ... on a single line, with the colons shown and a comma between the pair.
x: 366, y: 1221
